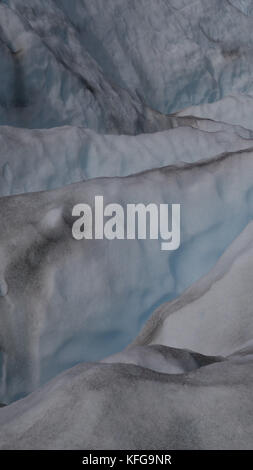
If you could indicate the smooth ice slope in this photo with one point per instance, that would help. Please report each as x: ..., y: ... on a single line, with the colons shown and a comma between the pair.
x: 214, y: 316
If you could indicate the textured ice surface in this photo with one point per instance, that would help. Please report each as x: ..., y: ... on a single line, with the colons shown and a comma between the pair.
x: 234, y: 109
x: 34, y: 160
x: 197, y: 401
x: 174, y: 53
x: 49, y: 78
x: 86, y: 64
x: 69, y: 301
x: 72, y: 75
x: 123, y: 406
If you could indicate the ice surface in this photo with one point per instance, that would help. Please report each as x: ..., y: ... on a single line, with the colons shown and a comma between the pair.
x: 215, y: 314
x: 123, y: 406
x: 35, y: 160
x: 203, y: 402
x: 50, y: 79
x: 174, y: 53
x: 83, y: 64
x: 234, y: 109
x: 162, y: 359
x: 70, y: 301
x: 138, y: 101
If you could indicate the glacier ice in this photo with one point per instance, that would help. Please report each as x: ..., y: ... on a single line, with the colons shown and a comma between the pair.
x: 174, y: 53
x: 215, y: 314
x: 101, y: 406
x: 83, y: 64
x: 162, y: 359
x: 55, y: 314
x: 204, y: 402
x: 233, y: 109
x: 136, y: 102
x: 44, y: 159
x: 51, y: 80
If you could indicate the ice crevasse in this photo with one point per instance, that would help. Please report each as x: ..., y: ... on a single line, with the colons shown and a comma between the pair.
x: 47, y: 277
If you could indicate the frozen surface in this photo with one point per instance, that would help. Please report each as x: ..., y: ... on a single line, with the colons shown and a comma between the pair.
x: 138, y: 101
x: 84, y: 63
x: 49, y: 78
x: 123, y: 406
x: 174, y: 53
x: 234, y: 109
x: 162, y: 359
x: 214, y: 316
x: 65, y: 301
x: 35, y: 160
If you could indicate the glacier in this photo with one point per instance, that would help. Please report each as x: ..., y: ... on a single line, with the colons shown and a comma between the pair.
x: 191, y: 386
x: 47, y: 277
x: 135, y: 102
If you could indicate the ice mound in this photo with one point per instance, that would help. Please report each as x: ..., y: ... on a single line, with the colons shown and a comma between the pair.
x: 136, y: 102
x: 162, y: 359
x: 65, y: 301
x: 124, y: 406
x: 41, y: 159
